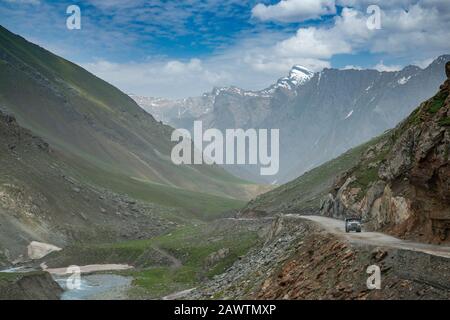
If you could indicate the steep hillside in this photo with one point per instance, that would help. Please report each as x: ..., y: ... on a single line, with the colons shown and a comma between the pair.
x: 398, y: 183
x: 44, y: 199
x: 81, y: 162
x: 304, y: 194
x: 402, y: 183
x: 317, y: 114
x: 97, y: 127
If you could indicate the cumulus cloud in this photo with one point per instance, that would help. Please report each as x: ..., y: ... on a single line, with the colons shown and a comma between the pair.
x: 294, y: 10
x: 382, y: 67
x: 423, y: 63
x: 410, y: 30
x: 312, y: 47
x: 352, y: 67
x: 177, y: 67
x: 412, y: 34
x: 349, y: 29
x: 33, y: 2
x: 161, y: 79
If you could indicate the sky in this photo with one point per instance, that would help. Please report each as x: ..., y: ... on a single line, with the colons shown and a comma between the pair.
x: 177, y: 49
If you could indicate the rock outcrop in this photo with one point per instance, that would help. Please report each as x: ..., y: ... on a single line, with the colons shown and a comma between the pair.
x: 402, y: 183
x: 29, y: 286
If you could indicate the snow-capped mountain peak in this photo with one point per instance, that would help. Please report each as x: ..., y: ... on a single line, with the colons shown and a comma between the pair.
x: 299, y: 74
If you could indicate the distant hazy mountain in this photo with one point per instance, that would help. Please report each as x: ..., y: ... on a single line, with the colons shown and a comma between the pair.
x: 320, y: 115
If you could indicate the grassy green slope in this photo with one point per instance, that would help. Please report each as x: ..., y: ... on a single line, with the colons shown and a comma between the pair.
x: 102, y: 130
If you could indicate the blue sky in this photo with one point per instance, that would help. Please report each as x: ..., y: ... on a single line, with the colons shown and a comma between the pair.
x: 183, y: 48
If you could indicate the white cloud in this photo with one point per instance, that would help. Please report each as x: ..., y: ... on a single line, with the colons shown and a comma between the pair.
x: 423, y: 63
x: 34, y: 2
x: 162, y: 79
x: 352, y: 67
x: 109, y: 4
x: 382, y: 67
x: 412, y: 31
x: 294, y: 10
x: 313, y: 46
x: 178, y: 67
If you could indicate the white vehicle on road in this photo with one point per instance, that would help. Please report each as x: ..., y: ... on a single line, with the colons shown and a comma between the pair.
x: 353, y: 224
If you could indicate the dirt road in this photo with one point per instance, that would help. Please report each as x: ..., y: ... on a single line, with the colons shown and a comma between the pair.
x: 375, y: 238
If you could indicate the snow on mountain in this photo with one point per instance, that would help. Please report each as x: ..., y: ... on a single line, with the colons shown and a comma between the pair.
x: 300, y: 75
x: 403, y: 80
x: 297, y: 76
x: 349, y: 115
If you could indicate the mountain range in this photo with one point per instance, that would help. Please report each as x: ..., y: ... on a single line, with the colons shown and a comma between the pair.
x: 320, y: 115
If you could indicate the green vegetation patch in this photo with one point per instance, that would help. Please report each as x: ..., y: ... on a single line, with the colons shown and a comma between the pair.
x: 437, y: 102
x: 7, y: 277
x: 193, y: 246
x: 415, y: 117
x: 445, y: 121
x: 366, y: 172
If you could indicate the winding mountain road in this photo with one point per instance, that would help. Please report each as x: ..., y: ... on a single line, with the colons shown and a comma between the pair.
x: 374, y: 238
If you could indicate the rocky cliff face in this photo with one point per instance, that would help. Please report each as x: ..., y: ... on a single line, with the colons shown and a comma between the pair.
x: 29, y: 286
x: 402, y: 183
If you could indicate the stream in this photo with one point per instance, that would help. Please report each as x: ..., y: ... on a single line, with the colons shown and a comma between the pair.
x: 96, y: 287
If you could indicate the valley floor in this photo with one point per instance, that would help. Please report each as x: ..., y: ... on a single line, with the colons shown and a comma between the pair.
x: 282, y: 257
x: 304, y: 259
